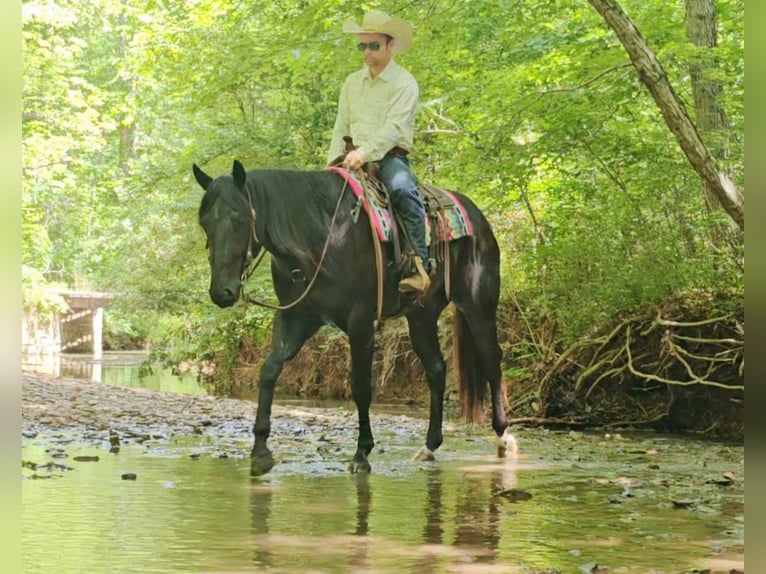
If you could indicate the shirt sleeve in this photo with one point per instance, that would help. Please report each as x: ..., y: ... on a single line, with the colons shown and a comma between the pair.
x: 342, y: 127
x: 400, y: 120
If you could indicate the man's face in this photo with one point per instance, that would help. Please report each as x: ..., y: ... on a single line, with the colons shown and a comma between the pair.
x: 376, y: 58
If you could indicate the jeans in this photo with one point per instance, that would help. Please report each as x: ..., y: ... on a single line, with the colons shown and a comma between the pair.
x: 403, y: 190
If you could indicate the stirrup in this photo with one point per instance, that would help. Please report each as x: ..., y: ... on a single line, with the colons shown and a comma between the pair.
x: 420, y: 282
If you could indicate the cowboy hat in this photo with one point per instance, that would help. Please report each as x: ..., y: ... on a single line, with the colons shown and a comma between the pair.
x: 377, y: 22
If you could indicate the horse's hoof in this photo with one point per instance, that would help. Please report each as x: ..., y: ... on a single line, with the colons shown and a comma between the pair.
x: 359, y: 465
x: 261, y: 464
x: 425, y: 454
x: 360, y: 468
x: 506, y: 445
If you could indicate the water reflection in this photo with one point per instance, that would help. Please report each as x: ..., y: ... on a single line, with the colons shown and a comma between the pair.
x: 425, y: 522
x: 477, y: 514
x: 360, y: 555
x: 122, y: 369
x: 207, y: 514
x: 261, y: 496
x: 433, y: 531
x: 363, y: 499
x: 77, y: 366
x: 478, y: 509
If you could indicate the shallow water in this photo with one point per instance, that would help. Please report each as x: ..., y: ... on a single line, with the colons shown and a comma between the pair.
x: 129, y: 369
x: 118, y: 368
x: 599, y: 500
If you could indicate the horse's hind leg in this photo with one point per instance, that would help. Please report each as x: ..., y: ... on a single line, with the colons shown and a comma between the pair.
x: 481, y: 319
x: 291, y: 330
x: 476, y: 295
x: 423, y: 323
x: 484, y: 329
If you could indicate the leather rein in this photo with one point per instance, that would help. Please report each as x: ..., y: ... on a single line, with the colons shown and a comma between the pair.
x: 252, y: 264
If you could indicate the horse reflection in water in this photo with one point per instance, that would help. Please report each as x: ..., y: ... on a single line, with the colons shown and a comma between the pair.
x: 261, y: 500
x: 445, y: 520
x: 474, y: 520
x: 324, y: 272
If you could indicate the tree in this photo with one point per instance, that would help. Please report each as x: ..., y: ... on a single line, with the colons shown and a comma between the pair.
x: 70, y: 162
x: 532, y: 109
x: 655, y: 79
x: 711, y: 121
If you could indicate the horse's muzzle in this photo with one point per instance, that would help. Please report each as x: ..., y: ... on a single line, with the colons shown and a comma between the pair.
x: 224, y: 297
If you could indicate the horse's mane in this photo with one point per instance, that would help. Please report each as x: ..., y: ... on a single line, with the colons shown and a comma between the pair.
x: 294, y: 209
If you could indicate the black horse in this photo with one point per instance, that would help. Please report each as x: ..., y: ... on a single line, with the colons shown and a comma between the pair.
x: 321, y: 252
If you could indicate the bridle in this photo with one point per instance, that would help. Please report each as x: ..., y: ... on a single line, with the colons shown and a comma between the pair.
x: 251, y: 263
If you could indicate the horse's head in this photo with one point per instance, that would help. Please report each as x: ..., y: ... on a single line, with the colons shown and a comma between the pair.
x: 226, y: 216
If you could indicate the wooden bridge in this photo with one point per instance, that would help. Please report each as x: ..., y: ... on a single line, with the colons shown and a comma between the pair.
x: 78, y: 330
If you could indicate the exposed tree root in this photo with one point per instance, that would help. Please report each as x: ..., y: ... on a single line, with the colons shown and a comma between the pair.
x: 669, y: 369
x: 548, y: 422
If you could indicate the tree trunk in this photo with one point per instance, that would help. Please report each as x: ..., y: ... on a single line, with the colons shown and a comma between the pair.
x: 127, y: 128
x: 653, y: 76
x: 710, y: 118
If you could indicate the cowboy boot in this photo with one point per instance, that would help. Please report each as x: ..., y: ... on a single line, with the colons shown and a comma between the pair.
x: 419, y: 282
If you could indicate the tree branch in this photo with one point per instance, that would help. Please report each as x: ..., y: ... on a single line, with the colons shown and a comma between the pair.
x: 654, y: 77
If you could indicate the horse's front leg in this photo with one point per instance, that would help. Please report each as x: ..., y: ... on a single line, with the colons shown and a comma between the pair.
x: 261, y: 457
x: 291, y: 330
x: 361, y: 336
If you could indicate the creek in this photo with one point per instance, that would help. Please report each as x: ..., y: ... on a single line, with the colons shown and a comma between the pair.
x: 168, y: 501
x: 119, y: 368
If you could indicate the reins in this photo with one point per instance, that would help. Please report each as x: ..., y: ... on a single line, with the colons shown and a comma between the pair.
x: 251, y: 265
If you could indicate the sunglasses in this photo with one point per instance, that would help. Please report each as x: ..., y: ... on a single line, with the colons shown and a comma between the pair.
x: 373, y: 46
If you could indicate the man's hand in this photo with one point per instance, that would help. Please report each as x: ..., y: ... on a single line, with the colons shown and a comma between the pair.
x: 354, y: 160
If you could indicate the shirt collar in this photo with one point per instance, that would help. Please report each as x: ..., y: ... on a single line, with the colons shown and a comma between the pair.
x: 387, y: 72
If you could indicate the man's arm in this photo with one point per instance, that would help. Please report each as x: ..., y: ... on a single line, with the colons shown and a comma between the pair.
x: 342, y: 128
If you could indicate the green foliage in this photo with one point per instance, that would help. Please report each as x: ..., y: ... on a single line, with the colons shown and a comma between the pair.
x: 215, y: 341
x: 532, y: 109
x: 38, y: 298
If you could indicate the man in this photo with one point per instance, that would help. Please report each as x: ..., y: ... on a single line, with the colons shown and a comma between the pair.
x: 377, y: 108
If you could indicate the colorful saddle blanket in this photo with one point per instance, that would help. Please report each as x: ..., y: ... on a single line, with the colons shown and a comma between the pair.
x: 453, y: 222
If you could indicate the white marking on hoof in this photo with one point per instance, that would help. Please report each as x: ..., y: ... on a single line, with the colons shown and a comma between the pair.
x: 424, y: 454
x: 506, y: 445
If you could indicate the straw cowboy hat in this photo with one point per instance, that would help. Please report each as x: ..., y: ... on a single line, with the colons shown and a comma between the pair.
x: 377, y: 22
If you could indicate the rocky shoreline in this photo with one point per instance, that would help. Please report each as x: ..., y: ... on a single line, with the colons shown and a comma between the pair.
x: 88, y: 411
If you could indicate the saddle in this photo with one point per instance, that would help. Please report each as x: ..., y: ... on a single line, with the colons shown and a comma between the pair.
x: 446, y: 218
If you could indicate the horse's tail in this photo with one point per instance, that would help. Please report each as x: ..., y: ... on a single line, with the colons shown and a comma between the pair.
x: 471, y: 380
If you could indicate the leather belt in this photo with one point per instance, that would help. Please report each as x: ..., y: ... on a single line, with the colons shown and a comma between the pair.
x: 397, y: 151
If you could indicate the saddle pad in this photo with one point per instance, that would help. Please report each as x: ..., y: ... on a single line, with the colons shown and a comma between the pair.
x: 453, y: 224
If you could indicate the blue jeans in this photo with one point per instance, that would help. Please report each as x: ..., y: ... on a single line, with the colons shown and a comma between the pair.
x: 403, y: 189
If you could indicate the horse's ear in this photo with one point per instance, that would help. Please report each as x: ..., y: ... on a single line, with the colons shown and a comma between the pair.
x: 239, y: 174
x: 202, y: 178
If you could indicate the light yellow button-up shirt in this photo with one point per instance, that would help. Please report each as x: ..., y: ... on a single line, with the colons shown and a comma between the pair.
x: 378, y: 113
